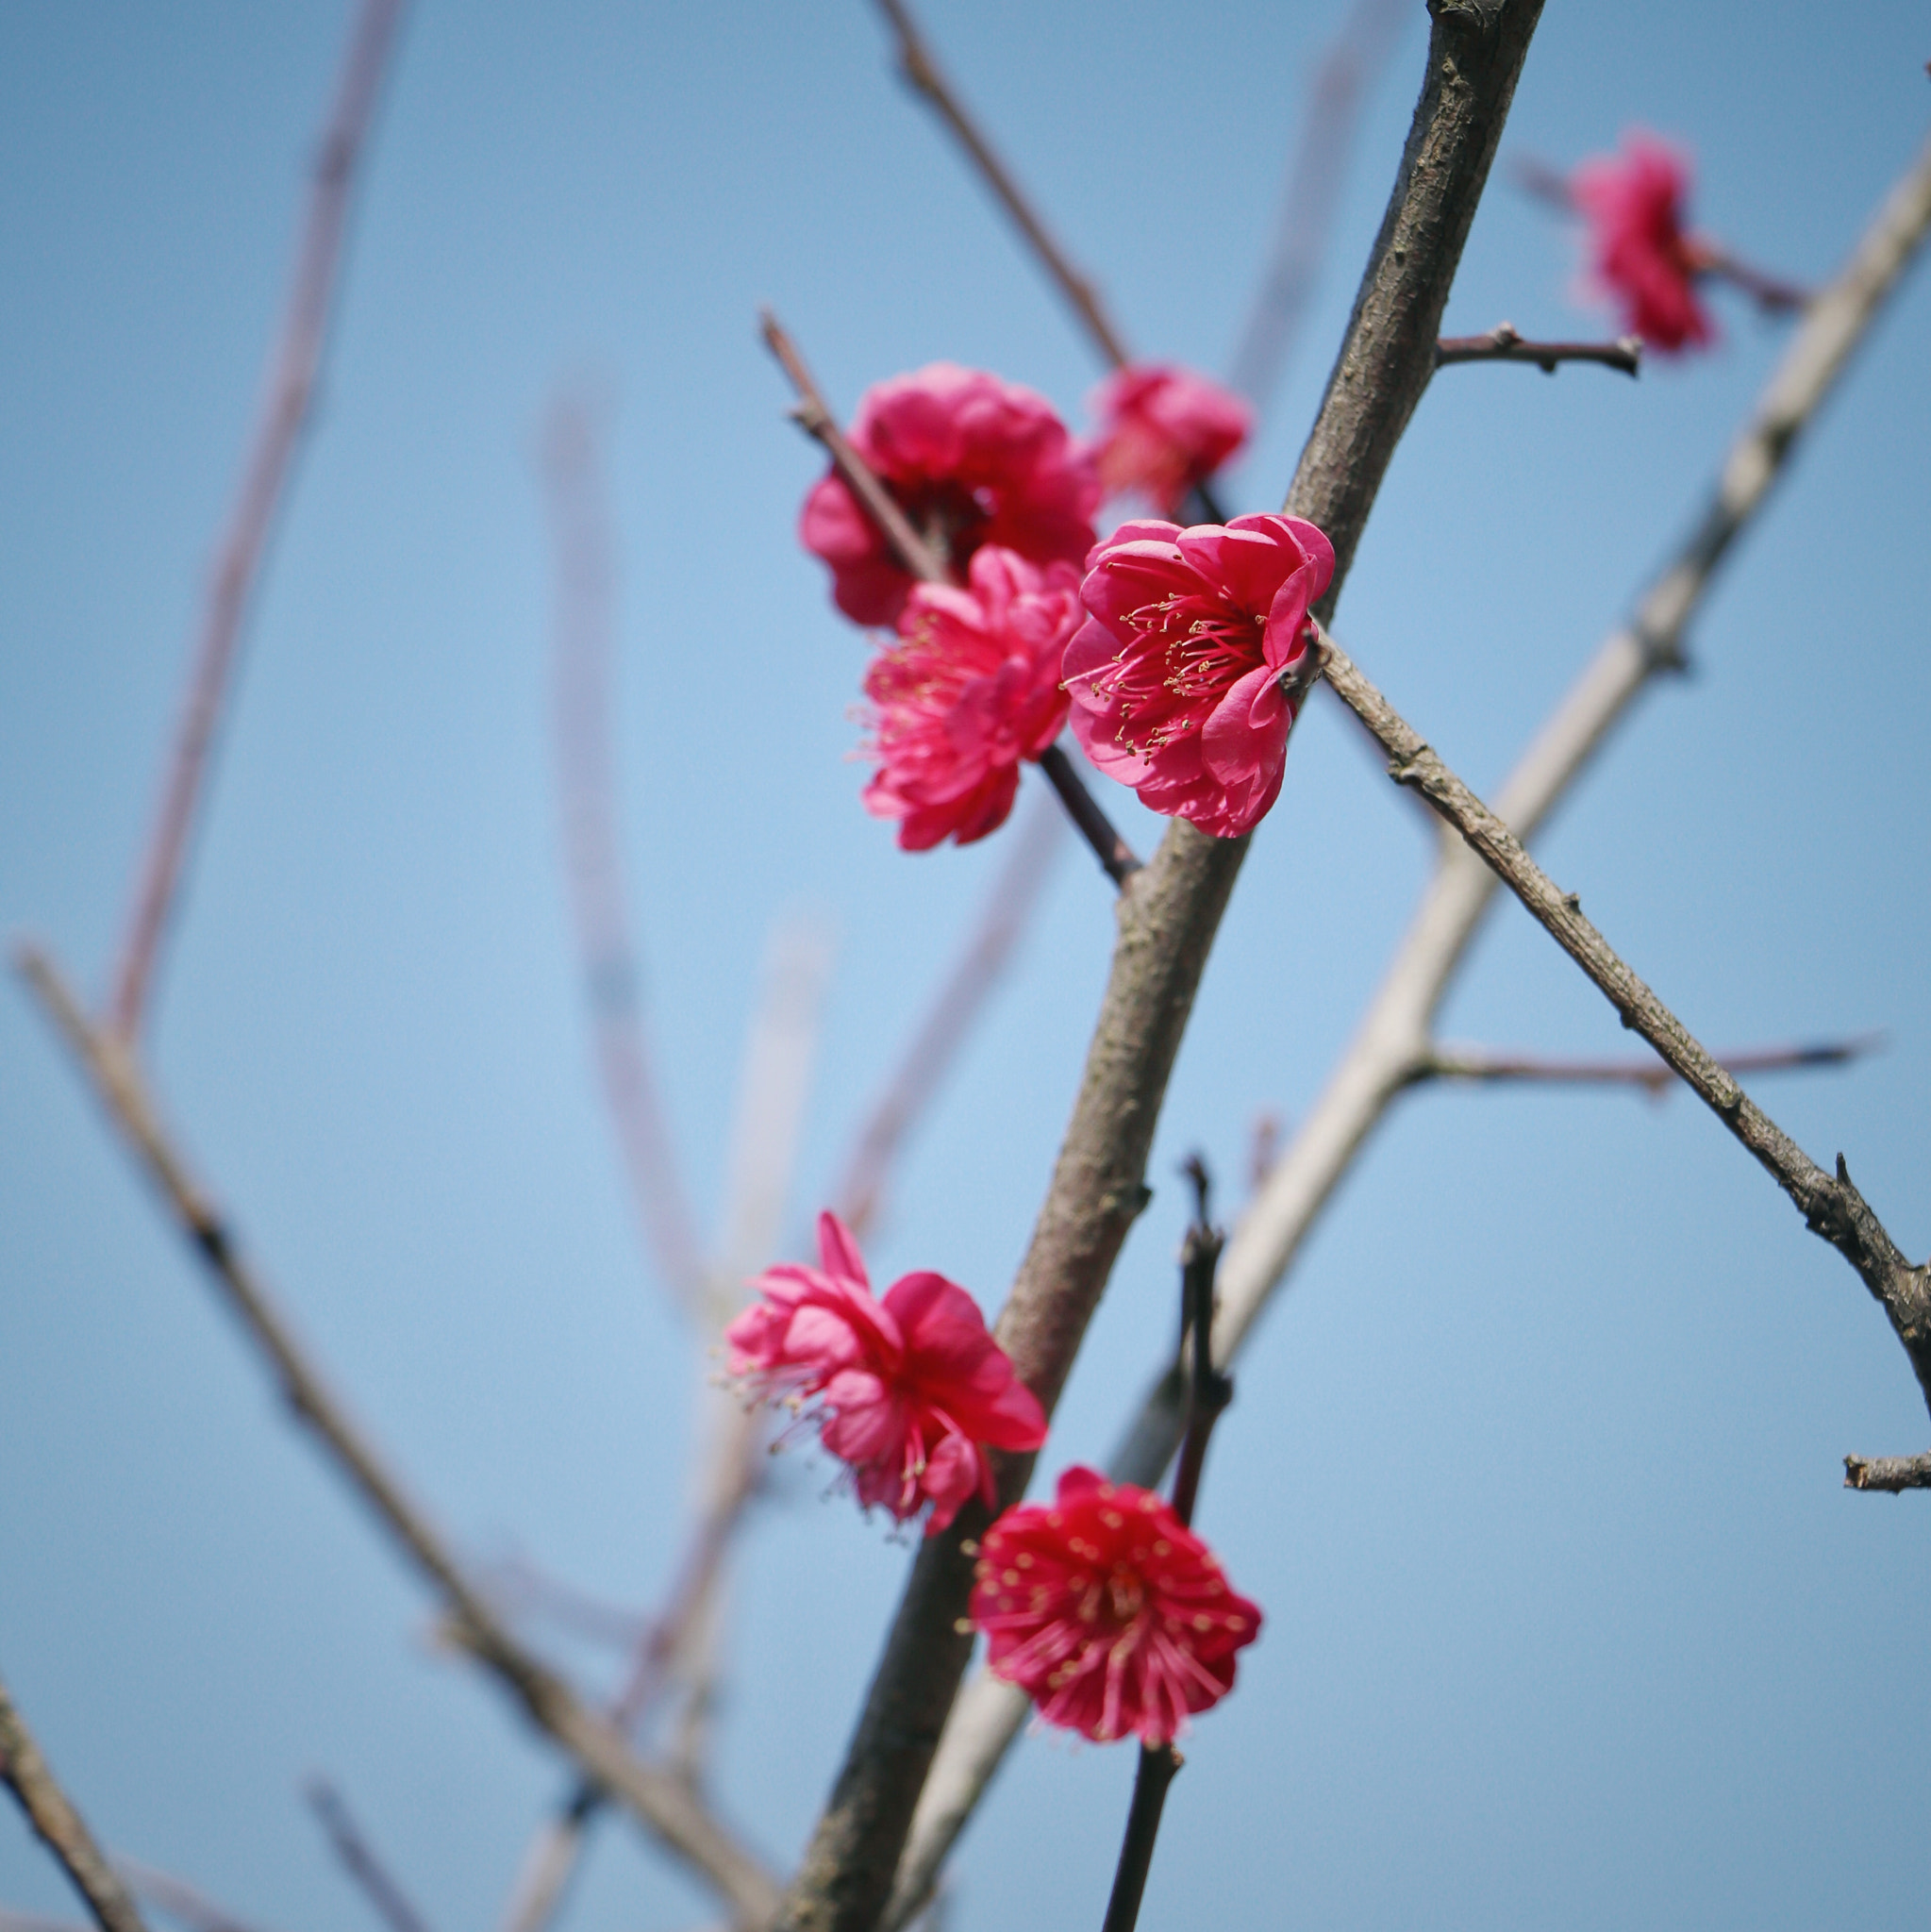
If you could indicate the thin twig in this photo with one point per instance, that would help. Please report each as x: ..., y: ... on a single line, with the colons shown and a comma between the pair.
x: 59, y: 1826
x: 186, y: 1902
x: 294, y: 367
x: 1116, y: 857
x: 923, y: 74
x: 1832, y: 1208
x: 1503, y: 345
x: 1393, y: 1038
x: 583, y: 654
x: 359, y: 1858
x: 1475, y: 1064
x: 659, y: 1802
x: 1771, y: 293
x: 1310, y: 194
x: 1891, y: 1474
x: 1167, y: 926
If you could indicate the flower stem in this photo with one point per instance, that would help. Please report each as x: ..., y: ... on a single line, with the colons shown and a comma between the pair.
x: 1117, y: 857
x: 1157, y: 1764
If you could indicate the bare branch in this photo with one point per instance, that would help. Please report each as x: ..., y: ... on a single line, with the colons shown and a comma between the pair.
x: 359, y: 1858
x: 1317, y: 171
x: 1832, y: 1208
x: 175, y: 1896
x: 11, y: 1920
x: 1892, y: 1474
x: 1168, y: 917
x: 1392, y: 1038
x: 1117, y: 858
x: 1475, y: 1064
x: 659, y: 1802
x: 293, y: 368
x: 923, y: 74
x: 583, y: 654
x: 59, y: 1826
x: 1503, y: 345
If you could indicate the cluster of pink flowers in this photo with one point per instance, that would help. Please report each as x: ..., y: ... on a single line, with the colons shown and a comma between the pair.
x: 1170, y: 653
x: 909, y: 1390
x: 1164, y: 429
x: 1108, y: 1611
x: 1175, y: 675
x: 1641, y: 254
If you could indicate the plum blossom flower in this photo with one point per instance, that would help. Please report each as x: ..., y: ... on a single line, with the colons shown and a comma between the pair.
x: 1639, y: 254
x: 1175, y: 675
x: 1163, y: 430
x: 972, y: 459
x: 910, y: 1391
x: 1108, y: 1611
x: 970, y: 690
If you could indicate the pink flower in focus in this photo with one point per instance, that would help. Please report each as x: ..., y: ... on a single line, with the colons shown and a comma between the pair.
x: 1639, y: 255
x: 1163, y: 430
x: 971, y: 689
x: 972, y: 461
x: 1175, y: 674
x: 1110, y: 1613
x: 910, y: 1391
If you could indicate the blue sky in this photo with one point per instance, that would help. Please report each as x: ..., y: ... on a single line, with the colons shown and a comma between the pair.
x: 1536, y: 1468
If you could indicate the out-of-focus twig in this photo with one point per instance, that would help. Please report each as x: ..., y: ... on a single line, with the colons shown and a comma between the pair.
x: 922, y: 72
x: 1395, y: 1034
x: 59, y: 1826
x: 1317, y: 171
x: 294, y: 366
x: 1502, y: 344
x: 186, y: 1904
x: 359, y: 1858
x: 1476, y: 1064
x: 1008, y: 908
x: 659, y: 1802
x: 1117, y: 857
x: 583, y: 652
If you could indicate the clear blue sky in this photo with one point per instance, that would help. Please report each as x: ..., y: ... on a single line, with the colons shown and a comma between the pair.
x: 1536, y: 1469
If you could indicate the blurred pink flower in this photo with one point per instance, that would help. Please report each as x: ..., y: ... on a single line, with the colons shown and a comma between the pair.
x: 1162, y: 431
x: 1175, y: 675
x: 972, y: 460
x: 1639, y: 254
x: 971, y: 689
x: 910, y: 1391
x: 1110, y: 1613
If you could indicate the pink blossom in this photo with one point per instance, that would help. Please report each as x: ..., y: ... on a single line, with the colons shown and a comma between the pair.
x: 1639, y: 255
x: 910, y: 1391
x: 972, y: 460
x: 970, y: 690
x: 1163, y: 430
x: 1108, y: 1611
x: 1175, y: 675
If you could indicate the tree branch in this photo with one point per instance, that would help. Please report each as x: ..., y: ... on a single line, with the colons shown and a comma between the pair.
x: 1392, y: 1038
x: 359, y: 1858
x: 1475, y: 1064
x: 294, y: 367
x: 666, y: 1809
x: 1892, y: 1474
x: 1117, y: 858
x: 1831, y: 1207
x: 59, y: 1826
x: 1503, y: 345
x: 1168, y: 917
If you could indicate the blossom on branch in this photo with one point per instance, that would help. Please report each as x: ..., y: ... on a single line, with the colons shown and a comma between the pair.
x: 971, y: 687
x: 910, y: 1391
x: 1108, y: 1611
x: 1162, y: 431
x: 1641, y: 254
x: 971, y: 459
x: 1175, y: 676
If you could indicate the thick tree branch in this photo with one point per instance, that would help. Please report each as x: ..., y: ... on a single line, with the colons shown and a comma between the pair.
x: 1393, y: 1038
x: 1891, y: 1474
x: 294, y: 367
x: 662, y: 1802
x: 59, y: 1826
x: 1168, y: 917
x: 1502, y: 344
x: 1831, y: 1207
